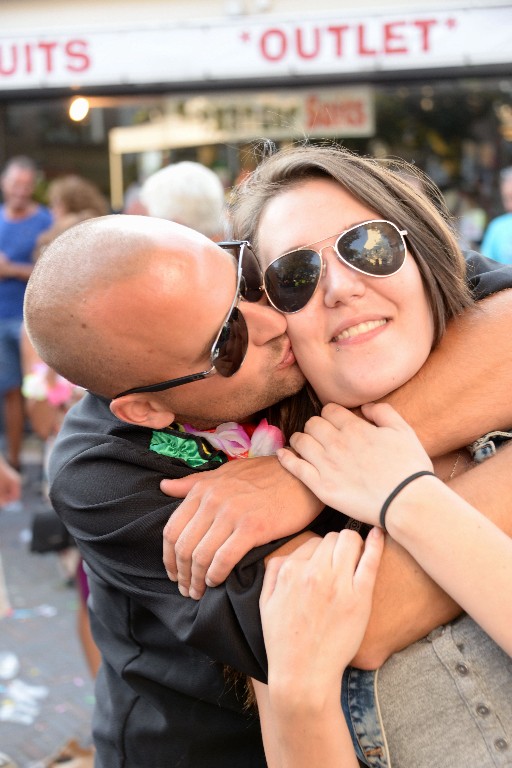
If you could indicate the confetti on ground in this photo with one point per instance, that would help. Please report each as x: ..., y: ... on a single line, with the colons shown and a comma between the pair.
x: 47, y: 611
x: 9, y: 665
x: 21, y: 703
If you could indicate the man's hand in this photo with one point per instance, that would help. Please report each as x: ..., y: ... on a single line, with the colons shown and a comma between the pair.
x: 442, y: 402
x: 227, y: 512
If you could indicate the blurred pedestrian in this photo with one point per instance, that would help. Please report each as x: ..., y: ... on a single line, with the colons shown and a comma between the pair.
x: 21, y: 222
x: 48, y: 397
x: 71, y: 199
x: 497, y: 242
x: 187, y: 193
x: 471, y: 220
x: 132, y: 204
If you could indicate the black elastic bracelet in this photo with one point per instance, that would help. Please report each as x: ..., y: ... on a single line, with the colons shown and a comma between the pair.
x: 393, y: 494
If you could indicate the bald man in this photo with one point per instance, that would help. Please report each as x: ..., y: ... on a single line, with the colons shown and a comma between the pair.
x: 146, y: 314
x: 119, y: 303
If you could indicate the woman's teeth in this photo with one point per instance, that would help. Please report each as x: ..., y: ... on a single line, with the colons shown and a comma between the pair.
x: 357, y: 330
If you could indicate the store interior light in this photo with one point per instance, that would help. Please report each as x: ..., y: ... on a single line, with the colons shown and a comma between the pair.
x: 79, y: 109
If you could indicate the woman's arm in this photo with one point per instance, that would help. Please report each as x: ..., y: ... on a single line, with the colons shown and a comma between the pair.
x: 354, y: 465
x: 314, y: 608
x: 461, y: 550
x: 304, y: 738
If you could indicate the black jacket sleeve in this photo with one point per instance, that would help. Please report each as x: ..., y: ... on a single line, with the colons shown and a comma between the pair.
x: 486, y: 276
x: 105, y: 488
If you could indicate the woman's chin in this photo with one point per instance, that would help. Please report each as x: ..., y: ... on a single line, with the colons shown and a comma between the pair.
x: 356, y: 399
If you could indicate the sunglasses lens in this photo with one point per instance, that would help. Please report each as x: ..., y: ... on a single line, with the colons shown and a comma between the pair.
x: 250, y: 284
x: 251, y: 279
x: 231, y: 346
x: 291, y: 280
x: 375, y: 248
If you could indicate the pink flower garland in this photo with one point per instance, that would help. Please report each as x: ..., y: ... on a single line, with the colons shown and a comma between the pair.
x: 234, y: 440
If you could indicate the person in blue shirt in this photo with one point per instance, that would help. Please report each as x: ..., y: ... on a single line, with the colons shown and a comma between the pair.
x: 497, y: 242
x: 21, y: 222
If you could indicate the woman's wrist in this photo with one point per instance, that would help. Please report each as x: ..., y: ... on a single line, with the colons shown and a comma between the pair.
x: 413, y: 509
x: 396, y: 491
x: 311, y: 697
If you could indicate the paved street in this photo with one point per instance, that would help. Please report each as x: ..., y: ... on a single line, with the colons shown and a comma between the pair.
x: 46, y: 695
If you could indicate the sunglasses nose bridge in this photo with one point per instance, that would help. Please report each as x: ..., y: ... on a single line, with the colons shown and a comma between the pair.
x: 339, y: 258
x: 323, y: 263
x: 343, y: 278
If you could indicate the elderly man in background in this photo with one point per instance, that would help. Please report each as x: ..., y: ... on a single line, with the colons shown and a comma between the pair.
x: 188, y: 193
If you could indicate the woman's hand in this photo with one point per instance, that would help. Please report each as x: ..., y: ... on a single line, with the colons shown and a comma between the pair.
x: 352, y: 464
x: 315, y: 605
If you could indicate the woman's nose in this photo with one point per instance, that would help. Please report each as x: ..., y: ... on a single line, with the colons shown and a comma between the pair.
x: 340, y: 283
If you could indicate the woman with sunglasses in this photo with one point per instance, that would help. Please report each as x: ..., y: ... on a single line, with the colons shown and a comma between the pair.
x: 368, y: 272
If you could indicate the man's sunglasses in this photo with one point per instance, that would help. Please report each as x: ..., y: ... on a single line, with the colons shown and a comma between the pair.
x: 376, y: 248
x: 230, y: 346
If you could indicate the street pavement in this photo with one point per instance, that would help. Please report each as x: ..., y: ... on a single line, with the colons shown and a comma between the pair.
x: 46, y: 693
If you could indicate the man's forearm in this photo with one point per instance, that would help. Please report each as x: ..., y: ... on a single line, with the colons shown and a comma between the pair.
x: 407, y: 603
x: 462, y: 391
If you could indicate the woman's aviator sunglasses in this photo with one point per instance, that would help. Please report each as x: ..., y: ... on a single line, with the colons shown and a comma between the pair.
x: 230, y: 346
x: 376, y: 248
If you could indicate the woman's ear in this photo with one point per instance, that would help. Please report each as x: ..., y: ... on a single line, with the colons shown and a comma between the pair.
x: 143, y: 410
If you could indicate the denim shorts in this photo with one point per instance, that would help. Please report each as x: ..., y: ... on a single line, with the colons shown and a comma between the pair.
x: 10, y: 361
x: 360, y: 707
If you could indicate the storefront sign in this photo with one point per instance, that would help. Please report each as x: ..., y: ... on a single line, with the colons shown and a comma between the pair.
x: 256, y: 47
x: 237, y: 117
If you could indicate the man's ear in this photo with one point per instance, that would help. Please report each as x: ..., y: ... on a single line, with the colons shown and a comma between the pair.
x: 143, y: 410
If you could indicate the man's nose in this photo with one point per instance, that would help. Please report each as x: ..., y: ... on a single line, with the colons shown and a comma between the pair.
x: 263, y: 321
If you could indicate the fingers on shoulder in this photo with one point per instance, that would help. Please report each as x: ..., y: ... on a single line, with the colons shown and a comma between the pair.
x: 383, y: 415
x: 337, y: 414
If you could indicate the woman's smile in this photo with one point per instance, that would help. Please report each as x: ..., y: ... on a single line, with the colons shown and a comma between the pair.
x: 363, y: 329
